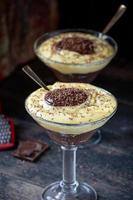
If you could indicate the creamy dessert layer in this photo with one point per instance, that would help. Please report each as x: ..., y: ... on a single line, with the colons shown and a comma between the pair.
x: 70, y: 104
x: 64, y: 51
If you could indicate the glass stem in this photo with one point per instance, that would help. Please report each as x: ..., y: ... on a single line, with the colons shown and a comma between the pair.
x: 69, y: 183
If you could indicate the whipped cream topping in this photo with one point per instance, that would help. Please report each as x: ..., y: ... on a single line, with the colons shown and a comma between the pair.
x: 99, y: 104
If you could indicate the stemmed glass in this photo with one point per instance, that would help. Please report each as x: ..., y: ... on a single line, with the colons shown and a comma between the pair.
x: 69, y: 137
x: 79, y: 72
x: 86, y: 72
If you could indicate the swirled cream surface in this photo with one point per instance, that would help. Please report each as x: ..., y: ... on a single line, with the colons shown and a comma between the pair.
x: 71, y: 104
x: 62, y: 52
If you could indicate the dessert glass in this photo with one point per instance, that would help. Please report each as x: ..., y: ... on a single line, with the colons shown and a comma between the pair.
x: 70, y: 72
x: 69, y: 136
x: 79, y: 72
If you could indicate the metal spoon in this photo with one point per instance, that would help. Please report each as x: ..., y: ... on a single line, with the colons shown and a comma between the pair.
x: 34, y: 76
x: 122, y: 8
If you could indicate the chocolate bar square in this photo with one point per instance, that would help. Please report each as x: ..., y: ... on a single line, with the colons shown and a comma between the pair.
x: 30, y: 150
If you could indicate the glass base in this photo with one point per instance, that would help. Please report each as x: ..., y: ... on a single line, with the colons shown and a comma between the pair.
x: 83, y: 192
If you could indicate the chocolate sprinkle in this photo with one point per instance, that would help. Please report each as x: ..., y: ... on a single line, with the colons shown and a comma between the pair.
x: 66, y: 97
x: 80, y: 45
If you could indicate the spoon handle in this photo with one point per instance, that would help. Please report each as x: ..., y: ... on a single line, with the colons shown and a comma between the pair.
x: 34, y: 76
x: 122, y: 8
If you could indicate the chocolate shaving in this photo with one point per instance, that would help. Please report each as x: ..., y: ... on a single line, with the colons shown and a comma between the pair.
x: 66, y: 97
x: 78, y: 44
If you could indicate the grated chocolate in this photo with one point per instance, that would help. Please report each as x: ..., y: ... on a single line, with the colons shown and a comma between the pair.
x: 66, y: 97
x: 78, y: 44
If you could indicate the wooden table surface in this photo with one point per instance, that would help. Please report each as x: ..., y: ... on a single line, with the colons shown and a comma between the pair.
x: 107, y: 166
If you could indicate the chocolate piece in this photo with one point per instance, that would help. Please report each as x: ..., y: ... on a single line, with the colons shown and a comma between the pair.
x: 30, y: 150
x: 66, y: 97
x: 80, y: 45
x: 29, y: 147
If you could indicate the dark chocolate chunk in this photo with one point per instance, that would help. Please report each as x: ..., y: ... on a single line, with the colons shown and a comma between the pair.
x: 78, y: 44
x: 28, y: 147
x: 30, y: 150
x: 66, y: 97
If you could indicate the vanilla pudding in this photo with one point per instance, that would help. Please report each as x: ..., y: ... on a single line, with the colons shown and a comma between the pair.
x: 71, y: 108
x: 73, y: 55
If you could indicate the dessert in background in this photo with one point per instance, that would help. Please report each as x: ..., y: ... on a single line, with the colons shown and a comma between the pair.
x: 76, y: 55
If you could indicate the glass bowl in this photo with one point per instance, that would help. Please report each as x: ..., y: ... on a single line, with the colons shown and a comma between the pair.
x: 69, y: 136
x: 76, y: 72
